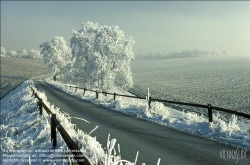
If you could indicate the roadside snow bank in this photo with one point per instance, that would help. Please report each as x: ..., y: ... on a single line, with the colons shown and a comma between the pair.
x: 234, y: 132
x: 25, y: 135
x: 22, y: 129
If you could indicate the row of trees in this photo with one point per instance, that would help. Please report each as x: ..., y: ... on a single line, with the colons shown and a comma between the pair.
x: 31, y: 54
x: 182, y: 54
x: 98, y: 57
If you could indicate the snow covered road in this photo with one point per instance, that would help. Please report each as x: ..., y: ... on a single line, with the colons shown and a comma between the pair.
x: 153, y: 141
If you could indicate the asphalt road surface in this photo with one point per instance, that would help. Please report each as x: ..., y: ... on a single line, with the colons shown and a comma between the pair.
x: 153, y: 141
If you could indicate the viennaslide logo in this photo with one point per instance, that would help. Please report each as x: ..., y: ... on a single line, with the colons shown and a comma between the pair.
x: 236, y: 155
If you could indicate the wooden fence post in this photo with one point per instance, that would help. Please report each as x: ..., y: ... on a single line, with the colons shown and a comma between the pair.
x: 114, y: 96
x: 149, y: 102
x: 96, y: 94
x: 210, y: 113
x: 53, y: 130
x: 40, y: 105
x: 84, y: 91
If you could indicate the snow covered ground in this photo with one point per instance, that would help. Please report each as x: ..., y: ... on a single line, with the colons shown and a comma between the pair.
x: 25, y: 135
x: 234, y: 132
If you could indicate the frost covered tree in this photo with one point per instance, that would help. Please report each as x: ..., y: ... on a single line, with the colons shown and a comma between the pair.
x: 214, y: 53
x: 35, y: 54
x: 102, y: 56
x: 24, y: 53
x: 224, y: 53
x: 56, y: 54
x: 12, y: 53
x: 3, y: 51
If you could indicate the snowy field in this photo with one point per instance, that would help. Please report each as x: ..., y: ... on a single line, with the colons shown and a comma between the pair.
x: 16, y: 70
x: 220, y: 81
x: 23, y: 129
x: 234, y: 132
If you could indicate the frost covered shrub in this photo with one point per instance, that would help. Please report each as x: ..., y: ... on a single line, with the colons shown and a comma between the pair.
x: 160, y: 109
x: 102, y: 56
x: 221, y: 126
x: 3, y: 51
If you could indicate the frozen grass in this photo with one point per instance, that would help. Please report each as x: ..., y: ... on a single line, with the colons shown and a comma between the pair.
x: 22, y: 128
x: 233, y: 132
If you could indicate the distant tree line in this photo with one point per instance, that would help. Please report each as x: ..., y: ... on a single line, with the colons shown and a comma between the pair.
x: 30, y: 54
x: 182, y: 54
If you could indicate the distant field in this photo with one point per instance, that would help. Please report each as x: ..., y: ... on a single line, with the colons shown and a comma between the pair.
x: 223, y: 82
x: 16, y: 70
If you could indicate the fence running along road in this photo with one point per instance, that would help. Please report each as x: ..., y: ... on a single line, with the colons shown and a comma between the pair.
x: 152, y: 140
x: 55, y: 124
x: 209, y: 107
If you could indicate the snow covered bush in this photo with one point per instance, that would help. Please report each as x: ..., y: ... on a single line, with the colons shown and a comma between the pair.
x: 3, y: 51
x: 56, y: 54
x: 12, y: 53
x: 35, y: 54
x: 102, y: 56
x: 23, y: 53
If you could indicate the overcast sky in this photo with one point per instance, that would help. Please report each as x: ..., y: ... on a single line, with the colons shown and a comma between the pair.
x: 156, y: 26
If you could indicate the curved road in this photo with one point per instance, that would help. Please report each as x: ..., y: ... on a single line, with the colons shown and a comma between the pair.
x: 153, y: 141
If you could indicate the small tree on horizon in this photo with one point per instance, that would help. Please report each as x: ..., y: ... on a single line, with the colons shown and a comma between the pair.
x: 12, y: 53
x: 56, y: 54
x: 23, y: 53
x: 35, y: 54
x: 3, y: 51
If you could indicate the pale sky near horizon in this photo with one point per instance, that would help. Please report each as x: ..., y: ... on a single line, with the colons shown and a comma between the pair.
x: 162, y: 26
